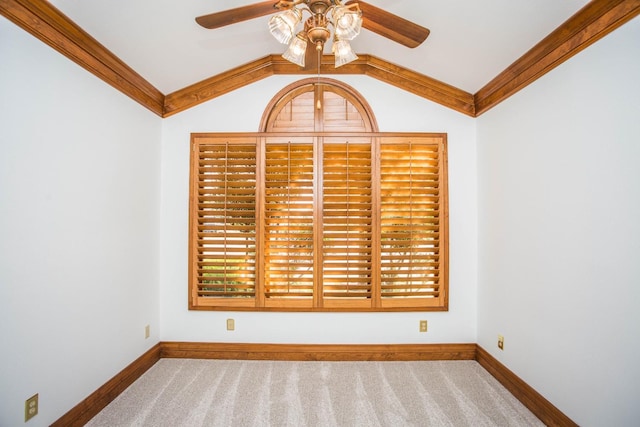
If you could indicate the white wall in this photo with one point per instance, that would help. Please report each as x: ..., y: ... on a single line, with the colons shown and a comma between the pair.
x: 79, y: 216
x: 241, y: 111
x: 559, y: 232
x: 93, y: 247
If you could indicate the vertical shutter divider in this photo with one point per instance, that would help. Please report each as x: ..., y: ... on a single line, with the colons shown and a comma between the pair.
x: 289, y: 239
x: 348, y: 217
x: 376, y: 228
x: 260, y: 220
x: 318, y: 223
x: 411, y: 218
x: 226, y: 204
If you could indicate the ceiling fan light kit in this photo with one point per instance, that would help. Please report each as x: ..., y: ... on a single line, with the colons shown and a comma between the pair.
x: 283, y: 25
x: 345, y: 20
x: 343, y: 53
x: 348, y: 21
x: 297, y: 49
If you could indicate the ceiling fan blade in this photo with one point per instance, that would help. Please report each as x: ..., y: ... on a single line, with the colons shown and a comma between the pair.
x: 239, y: 14
x: 391, y: 26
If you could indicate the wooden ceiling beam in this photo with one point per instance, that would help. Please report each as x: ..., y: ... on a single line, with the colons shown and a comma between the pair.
x: 594, y: 21
x: 377, y: 68
x: 51, y: 26
x: 216, y: 86
x: 421, y: 85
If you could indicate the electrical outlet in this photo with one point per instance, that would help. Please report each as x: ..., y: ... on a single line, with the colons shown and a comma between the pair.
x: 31, y: 407
x: 231, y: 325
x: 147, y: 331
x: 423, y: 326
x: 500, y: 342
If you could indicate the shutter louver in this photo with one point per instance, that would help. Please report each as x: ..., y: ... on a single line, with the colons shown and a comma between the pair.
x: 410, y: 221
x: 297, y: 115
x: 288, y: 213
x: 226, y: 224
x: 340, y: 115
x: 347, y: 223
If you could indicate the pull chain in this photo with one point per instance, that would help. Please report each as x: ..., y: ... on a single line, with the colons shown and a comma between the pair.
x: 318, y: 103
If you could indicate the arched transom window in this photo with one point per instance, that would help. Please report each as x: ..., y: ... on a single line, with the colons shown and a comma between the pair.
x: 320, y: 105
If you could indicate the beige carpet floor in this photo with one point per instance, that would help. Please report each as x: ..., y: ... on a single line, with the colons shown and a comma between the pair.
x: 185, y: 392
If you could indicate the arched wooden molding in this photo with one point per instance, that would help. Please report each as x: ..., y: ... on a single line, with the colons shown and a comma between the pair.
x: 318, y: 105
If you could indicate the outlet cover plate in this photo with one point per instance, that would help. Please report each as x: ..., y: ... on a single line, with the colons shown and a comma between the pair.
x: 31, y: 407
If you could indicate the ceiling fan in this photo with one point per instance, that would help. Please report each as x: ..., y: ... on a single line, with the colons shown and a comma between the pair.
x: 307, y: 43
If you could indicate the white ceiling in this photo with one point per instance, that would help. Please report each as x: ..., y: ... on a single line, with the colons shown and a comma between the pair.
x: 471, y: 41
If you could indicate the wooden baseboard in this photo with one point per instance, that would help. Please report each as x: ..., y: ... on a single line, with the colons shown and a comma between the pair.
x: 541, y: 407
x: 89, y: 407
x: 92, y: 405
x: 319, y: 352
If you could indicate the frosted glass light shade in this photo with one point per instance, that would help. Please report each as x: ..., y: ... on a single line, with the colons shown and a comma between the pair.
x: 347, y: 23
x: 297, y: 49
x: 343, y: 52
x: 283, y: 25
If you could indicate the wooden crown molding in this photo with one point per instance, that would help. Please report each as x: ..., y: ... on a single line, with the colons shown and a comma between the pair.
x: 377, y: 68
x: 216, y: 86
x: 591, y: 23
x: 594, y: 21
x: 51, y: 26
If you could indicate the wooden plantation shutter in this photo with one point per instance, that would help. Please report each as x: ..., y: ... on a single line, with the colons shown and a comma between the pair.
x: 223, y: 253
x: 289, y: 228
x: 347, y: 217
x: 411, y: 209
x: 314, y: 221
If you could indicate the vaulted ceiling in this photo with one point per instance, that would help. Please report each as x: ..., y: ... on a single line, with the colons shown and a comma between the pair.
x: 471, y: 41
x: 478, y: 52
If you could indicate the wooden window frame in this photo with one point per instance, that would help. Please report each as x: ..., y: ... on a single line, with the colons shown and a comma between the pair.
x: 376, y: 302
